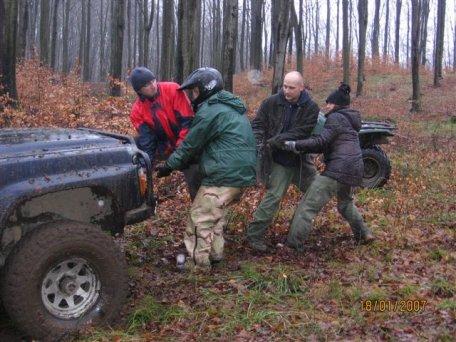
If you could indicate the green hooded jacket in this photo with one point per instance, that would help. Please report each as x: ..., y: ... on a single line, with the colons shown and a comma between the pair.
x: 222, y: 138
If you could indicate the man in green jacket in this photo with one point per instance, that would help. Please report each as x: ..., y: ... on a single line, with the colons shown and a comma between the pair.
x: 222, y: 139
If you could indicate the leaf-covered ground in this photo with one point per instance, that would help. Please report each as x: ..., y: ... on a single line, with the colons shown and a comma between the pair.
x: 323, y: 293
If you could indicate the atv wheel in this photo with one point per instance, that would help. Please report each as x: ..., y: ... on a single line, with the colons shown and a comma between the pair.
x: 377, y: 167
x: 61, y: 277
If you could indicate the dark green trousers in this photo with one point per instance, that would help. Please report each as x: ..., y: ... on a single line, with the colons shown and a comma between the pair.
x: 319, y: 193
x: 280, y: 179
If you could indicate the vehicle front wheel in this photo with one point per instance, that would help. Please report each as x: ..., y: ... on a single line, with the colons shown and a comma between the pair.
x: 377, y: 167
x: 62, y: 277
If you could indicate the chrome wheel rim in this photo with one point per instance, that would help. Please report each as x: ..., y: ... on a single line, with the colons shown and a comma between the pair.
x: 70, y: 289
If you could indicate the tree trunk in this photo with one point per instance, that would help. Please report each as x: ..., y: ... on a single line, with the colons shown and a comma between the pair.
x: 376, y: 31
x: 424, y: 23
x: 65, y: 38
x: 82, y: 35
x: 129, y: 34
x: 454, y: 43
x: 317, y: 26
x: 157, y: 34
x: 44, y: 32
x: 256, y: 35
x: 8, y: 24
x: 337, y: 27
x: 438, y: 55
x: 275, y: 9
x: 103, y: 29
x: 385, y: 37
x: 345, y: 43
x: 22, y: 29
x: 242, y: 40
x: 216, y: 39
x: 298, y: 35
x: 416, y: 96
x: 407, y: 49
x: 189, y: 37
x: 86, y: 64
x: 362, y: 15
x: 147, y: 22
x: 280, y: 44
x: 117, y: 33
x: 398, y: 26
x: 166, y: 64
x: 328, y: 28
x: 55, y: 15
x: 230, y: 25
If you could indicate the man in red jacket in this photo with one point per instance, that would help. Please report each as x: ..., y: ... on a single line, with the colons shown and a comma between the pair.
x: 162, y: 116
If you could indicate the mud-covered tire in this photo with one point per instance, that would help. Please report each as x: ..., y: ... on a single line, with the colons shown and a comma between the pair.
x: 377, y: 167
x: 51, y: 250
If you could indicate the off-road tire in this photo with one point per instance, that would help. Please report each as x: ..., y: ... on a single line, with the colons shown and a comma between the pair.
x: 39, y: 252
x: 377, y: 167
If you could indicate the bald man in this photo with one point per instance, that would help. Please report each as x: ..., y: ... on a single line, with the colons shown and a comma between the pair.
x: 288, y: 115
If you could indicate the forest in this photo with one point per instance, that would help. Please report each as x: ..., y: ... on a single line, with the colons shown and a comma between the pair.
x: 66, y: 63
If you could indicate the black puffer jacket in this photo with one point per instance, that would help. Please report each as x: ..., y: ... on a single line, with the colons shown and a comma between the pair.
x: 268, y: 123
x: 339, y: 143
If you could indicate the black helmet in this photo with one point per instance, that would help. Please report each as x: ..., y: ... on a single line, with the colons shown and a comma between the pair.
x: 140, y: 76
x: 208, y: 80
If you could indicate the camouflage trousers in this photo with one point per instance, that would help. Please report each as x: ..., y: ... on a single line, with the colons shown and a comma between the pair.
x: 203, y: 236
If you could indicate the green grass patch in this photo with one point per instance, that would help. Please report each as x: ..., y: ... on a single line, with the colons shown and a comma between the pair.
x: 443, y: 288
x: 438, y: 254
x: 447, y: 304
x: 151, y: 311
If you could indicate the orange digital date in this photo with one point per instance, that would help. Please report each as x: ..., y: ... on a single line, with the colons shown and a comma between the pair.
x: 393, y: 305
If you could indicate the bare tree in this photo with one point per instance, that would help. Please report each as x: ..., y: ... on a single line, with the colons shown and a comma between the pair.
x: 328, y: 28
x: 188, y: 43
x: 147, y: 21
x: 242, y: 37
x: 216, y: 33
x: 166, y: 65
x: 44, y: 31
x: 337, y: 27
x: 117, y: 35
x: 424, y: 23
x: 376, y: 31
x: 362, y: 14
x: 438, y: 53
x: 317, y: 26
x: 398, y: 26
x: 22, y: 28
x: 386, y: 33
x: 416, y: 96
x: 8, y: 27
x: 298, y: 35
x: 65, y: 38
x: 345, y: 43
x: 280, y: 44
x: 256, y: 34
x: 86, y: 54
x: 230, y: 29
x: 55, y: 15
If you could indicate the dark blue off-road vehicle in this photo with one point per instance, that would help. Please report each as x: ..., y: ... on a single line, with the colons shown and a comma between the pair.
x: 62, y: 191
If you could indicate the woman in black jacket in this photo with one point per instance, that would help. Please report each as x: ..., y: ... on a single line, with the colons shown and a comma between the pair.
x: 339, y: 143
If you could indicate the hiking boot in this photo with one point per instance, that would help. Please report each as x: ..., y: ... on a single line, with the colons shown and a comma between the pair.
x: 368, y: 238
x: 258, y: 245
x: 365, y: 238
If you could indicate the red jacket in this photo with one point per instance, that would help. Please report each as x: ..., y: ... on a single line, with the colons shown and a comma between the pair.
x: 162, y: 123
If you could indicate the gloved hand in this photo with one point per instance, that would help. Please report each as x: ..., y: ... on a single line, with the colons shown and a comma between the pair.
x: 272, y: 142
x: 289, y: 146
x: 163, y: 170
